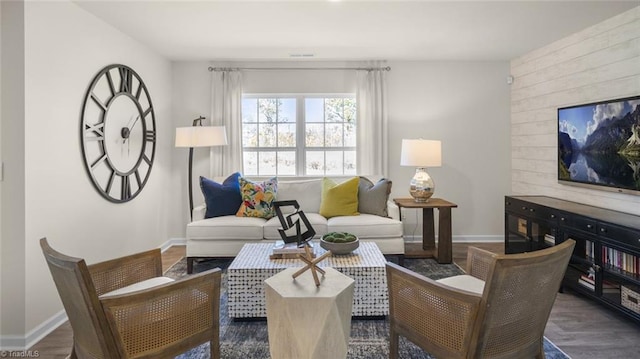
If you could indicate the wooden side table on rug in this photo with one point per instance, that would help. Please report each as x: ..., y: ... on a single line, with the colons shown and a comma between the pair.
x: 443, y: 253
x: 309, y: 321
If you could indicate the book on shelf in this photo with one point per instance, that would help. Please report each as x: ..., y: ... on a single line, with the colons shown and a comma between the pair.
x: 588, y: 279
x: 550, y: 239
x: 608, y: 287
x: 586, y: 284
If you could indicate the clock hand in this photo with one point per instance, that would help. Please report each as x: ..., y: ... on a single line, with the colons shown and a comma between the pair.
x: 126, y: 131
x: 134, y: 122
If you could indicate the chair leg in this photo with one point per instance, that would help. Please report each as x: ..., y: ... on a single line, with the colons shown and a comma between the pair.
x: 540, y: 354
x: 73, y: 355
x: 214, y: 349
x: 190, y: 265
x: 393, y: 344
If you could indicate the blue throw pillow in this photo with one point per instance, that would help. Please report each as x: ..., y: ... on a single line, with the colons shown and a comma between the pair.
x: 221, y: 199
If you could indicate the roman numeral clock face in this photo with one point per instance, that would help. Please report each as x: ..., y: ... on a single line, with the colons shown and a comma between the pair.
x: 118, y: 133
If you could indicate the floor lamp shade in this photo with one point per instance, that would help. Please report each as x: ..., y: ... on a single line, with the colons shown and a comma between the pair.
x: 421, y: 154
x: 199, y: 136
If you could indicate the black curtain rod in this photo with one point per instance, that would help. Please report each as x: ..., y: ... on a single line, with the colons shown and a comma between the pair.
x: 222, y: 69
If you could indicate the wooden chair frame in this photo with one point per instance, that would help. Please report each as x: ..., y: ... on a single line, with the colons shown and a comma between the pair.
x: 160, y: 322
x: 506, y: 321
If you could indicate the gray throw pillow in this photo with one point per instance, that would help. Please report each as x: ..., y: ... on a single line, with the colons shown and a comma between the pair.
x: 372, y: 199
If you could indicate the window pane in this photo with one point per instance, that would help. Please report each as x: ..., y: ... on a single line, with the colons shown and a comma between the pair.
x: 314, y: 110
x: 334, y: 135
x: 249, y: 135
x: 334, y: 163
x: 267, y: 163
x: 314, y: 162
x: 350, y: 110
x: 250, y: 163
x: 287, y: 135
x: 333, y: 110
x: 286, y: 163
x: 267, y: 110
x: 287, y: 110
x: 267, y: 135
x: 314, y: 135
x: 349, y: 135
x: 350, y: 162
x: 249, y: 110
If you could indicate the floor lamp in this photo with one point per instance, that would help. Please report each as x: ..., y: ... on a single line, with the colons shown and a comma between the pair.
x: 198, y: 136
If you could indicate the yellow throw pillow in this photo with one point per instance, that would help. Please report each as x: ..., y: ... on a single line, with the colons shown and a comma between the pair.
x: 339, y: 199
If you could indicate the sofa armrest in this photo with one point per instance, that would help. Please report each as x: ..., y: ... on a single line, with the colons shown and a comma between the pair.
x: 199, y: 212
x: 393, y: 210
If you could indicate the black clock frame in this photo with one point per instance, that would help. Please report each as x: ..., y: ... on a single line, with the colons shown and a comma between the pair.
x: 126, y: 74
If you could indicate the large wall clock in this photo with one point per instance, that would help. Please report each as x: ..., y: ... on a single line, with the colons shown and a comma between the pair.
x: 118, y: 133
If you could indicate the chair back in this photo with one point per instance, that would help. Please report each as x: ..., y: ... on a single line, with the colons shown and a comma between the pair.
x: 92, y: 336
x: 519, y: 293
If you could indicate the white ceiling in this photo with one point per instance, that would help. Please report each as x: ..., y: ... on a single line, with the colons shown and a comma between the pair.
x: 351, y: 29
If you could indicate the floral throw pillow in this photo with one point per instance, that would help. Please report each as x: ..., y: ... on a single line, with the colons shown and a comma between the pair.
x: 257, y: 198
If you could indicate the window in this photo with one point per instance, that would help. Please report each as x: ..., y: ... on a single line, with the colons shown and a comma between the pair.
x: 299, y: 135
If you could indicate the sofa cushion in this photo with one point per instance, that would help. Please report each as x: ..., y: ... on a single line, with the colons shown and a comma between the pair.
x: 226, y: 227
x: 257, y: 198
x: 366, y: 226
x: 318, y: 223
x: 339, y: 199
x: 222, y: 199
x: 372, y: 198
x: 306, y: 192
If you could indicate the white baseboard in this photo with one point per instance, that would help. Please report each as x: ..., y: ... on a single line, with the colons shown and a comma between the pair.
x: 20, y: 343
x: 482, y: 238
x: 173, y: 242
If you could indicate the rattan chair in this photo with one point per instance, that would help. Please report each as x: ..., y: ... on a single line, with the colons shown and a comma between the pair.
x: 501, y: 312
x: 124, y: 308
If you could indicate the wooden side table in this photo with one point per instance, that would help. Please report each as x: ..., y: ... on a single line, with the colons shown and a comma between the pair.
x: 444, y: 251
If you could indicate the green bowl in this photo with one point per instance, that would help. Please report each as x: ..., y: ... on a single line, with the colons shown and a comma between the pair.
x: 339, y: 248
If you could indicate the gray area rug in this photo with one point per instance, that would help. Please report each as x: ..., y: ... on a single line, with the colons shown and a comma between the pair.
x: 369, y: 338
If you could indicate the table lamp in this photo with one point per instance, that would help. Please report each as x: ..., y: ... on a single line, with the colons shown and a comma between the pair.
x: 198, y: 136
x: 421, y: 154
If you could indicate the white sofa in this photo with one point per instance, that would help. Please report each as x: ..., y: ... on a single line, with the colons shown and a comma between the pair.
x: 224, y: 236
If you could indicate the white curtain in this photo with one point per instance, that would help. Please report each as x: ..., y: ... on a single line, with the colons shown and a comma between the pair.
x: 372, y: 138
x: 226, y: 106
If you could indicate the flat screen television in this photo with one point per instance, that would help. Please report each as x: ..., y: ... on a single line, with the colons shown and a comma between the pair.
x: 599, y: 145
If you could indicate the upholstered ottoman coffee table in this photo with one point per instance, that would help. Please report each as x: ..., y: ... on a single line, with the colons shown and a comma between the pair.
x: 247, y: 272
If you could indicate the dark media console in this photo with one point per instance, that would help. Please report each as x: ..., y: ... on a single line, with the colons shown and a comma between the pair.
x: 605, y: 264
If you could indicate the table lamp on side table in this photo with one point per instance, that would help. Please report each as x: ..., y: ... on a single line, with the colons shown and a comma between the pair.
x: 198, y: 136
x: 421, y: 154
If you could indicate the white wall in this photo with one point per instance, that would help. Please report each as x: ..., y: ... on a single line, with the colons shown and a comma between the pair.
x: 464, y: 104
x: 64, y: 47
x: 12, y: 265
x: 601, y: 62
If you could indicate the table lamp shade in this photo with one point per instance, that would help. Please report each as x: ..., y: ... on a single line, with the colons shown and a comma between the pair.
x: 421, y: 153
x: 201, y: 136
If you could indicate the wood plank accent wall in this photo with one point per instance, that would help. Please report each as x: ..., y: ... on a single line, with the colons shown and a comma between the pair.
x: 601, y: 62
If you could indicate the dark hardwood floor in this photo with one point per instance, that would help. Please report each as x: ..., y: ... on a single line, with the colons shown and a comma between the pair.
x: 578, y: 326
